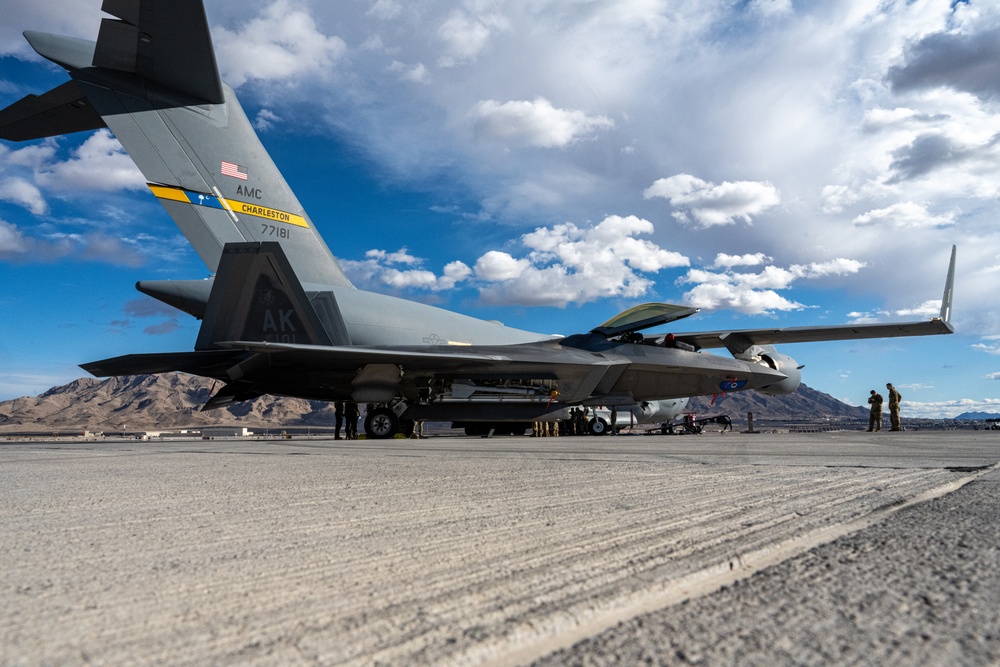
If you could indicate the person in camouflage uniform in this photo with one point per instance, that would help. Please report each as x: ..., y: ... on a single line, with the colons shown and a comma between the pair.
x: 894, y: 398
x: 875, y: 414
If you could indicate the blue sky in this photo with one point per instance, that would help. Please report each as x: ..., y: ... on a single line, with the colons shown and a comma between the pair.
x: 549, y: 164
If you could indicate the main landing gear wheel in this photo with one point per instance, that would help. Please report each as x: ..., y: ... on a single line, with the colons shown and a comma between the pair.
x: 381, y: 423
x: 598, y: 426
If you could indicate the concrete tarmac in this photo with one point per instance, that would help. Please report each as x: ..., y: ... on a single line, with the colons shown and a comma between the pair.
x: 721, y: 548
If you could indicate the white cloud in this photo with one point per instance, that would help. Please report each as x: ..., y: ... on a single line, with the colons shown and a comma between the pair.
x: 379, y: 268
x: 497, y: 266
x: 265, y: 120
x: 414, y: 73
x: 991, y: 347
x: 98, y: 164
x: 755, y: 293
x: 904, y: 215
x: 536, y: 123
x: 569, y: 264
x: 925, y: 310
x: 729, y: 261
x: 12, y: 241
x: 711, y: 204
x: 282, y: 43
x: 19, y: 191
x: 771, y: 8
x: 464, y: 36
x: 949, y: 409
x: 564, y: 264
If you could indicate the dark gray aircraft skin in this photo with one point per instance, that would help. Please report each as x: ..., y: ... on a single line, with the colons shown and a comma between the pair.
x: 280, y: 316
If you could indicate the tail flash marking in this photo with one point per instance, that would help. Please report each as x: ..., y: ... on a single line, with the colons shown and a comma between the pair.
x: 171, y: 193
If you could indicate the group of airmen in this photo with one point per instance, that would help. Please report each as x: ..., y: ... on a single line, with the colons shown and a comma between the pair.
x: 875, y: 413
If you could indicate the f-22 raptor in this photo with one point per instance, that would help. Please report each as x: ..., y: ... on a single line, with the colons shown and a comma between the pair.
x: 280, y: 316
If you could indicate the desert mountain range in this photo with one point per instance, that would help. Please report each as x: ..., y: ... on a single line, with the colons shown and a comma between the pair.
x: 174, y: 400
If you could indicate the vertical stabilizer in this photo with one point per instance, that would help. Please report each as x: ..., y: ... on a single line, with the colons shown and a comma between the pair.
x: 152, y: 78
x: 256, y: 297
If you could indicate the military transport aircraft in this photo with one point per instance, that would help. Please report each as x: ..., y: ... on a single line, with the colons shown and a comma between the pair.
x: 280, y: 316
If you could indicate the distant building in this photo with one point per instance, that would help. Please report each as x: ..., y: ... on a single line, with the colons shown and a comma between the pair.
x: 225, y: 432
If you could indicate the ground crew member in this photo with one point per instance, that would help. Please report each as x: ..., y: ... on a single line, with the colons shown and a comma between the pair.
x: 351, y: 413
x: 339, y: 407
x: 875, y: 415
x: 894, y: 398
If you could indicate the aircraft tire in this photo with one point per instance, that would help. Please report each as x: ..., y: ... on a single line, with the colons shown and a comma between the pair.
x: 598, y: 426
x: 381, y: 423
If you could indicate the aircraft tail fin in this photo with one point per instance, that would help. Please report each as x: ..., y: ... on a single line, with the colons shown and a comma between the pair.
x: 257, y: 297
x: 151, y: 78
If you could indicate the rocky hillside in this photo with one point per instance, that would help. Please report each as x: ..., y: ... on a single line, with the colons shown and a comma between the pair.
x: 806, y: 404
x: 170, y: 400
x: 173, y: 400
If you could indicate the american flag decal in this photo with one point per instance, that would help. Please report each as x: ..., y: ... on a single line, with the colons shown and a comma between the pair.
x: 234, y: 170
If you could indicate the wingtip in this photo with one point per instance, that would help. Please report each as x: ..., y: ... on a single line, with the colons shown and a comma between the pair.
x: 949, y: 288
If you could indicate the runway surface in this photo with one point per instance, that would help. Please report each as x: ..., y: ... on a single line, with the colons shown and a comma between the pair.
x: 866, y: 548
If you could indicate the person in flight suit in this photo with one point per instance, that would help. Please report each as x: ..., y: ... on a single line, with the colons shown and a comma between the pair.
x: 875, y: 415
x: 894, y: 398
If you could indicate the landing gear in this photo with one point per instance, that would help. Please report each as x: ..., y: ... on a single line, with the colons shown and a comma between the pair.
x: 597, y: 426
x: 381, y: 423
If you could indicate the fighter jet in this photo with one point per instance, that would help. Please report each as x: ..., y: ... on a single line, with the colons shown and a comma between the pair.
x: 280, y: 317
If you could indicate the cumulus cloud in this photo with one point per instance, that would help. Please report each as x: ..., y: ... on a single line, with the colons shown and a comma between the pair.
x: 904, y: 215
x: 729, y: 261
x: 756, y: 293
x: 282, y: 43
x: 98, y: 164
x: 381, y: 268
x: 563, y: 264
x: 569, y: 264
x: 536, y: 123
x: 19, y: 191
x: 713, y: 204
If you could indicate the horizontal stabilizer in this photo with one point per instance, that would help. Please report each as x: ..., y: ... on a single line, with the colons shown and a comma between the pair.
x: 62, y: 110
x: 191, y: 296
x: 165, y: 42
x: 208, y: 363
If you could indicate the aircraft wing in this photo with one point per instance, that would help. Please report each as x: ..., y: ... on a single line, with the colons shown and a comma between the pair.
x: 62, y: 110
x: 738, y: 341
